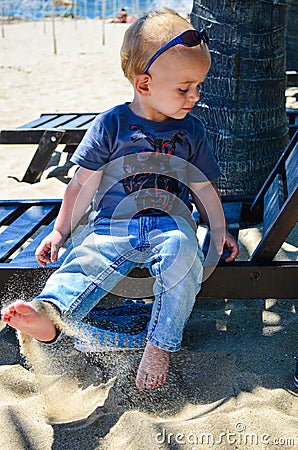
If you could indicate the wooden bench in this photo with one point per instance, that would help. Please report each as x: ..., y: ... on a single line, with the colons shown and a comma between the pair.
x: 292, y: 116
x: 292, y: 113
x: 47, y: 132
x: 276, y: 205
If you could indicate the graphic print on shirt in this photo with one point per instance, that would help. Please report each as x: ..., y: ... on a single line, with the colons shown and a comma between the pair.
x: 148, y: 173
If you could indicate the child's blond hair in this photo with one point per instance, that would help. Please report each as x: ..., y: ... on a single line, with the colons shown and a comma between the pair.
x: 146, y: 36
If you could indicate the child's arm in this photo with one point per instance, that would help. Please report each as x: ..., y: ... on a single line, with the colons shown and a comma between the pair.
x: 77, y: 197
x: 207, y: 200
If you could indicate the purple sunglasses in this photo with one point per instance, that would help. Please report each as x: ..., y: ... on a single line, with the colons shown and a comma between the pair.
x: 188, y: 38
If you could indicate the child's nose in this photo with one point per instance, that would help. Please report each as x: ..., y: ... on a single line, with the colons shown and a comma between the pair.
x: 194, y: 94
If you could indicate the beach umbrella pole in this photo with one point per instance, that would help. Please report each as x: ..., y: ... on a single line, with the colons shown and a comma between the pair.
x: 103, y: 21
x: 2, y: 24
x: 54, y: 28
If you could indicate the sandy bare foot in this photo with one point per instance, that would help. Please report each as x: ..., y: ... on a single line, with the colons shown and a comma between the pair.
x: 24, y: 317
x: 153, y: 368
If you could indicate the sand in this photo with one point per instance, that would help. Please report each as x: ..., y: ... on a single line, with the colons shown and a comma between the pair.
x: 231, y: 386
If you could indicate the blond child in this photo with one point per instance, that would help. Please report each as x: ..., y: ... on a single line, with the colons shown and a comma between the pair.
x: 143, y: 159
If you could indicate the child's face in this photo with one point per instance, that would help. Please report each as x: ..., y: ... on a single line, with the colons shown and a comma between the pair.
x: 174, y: 84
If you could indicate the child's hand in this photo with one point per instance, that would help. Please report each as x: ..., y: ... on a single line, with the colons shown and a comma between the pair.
x: 48, y: 249
x: 225, y: 244
x: 231, y: 247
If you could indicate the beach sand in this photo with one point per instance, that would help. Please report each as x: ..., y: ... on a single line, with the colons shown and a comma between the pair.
x: 231, y: 386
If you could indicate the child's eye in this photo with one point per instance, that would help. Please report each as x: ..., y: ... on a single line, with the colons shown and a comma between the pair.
x: 183, y: 91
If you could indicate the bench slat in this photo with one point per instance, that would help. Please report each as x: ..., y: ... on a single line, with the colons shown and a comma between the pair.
x: 61, y: 121
x: 22, y: 228
x: 86, y: 125
x: 33, y: 135
x: 292, y: 170
x: 277, y: 233
x: 26, y: 258
x: 84, y: 120
x: 41, y: 122
x: 278, y: 168
x: 25, y: 203
x: 273, y: 201
x: 6, y: 212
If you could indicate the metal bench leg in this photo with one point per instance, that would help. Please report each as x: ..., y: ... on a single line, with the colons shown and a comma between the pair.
x: 47, y: 145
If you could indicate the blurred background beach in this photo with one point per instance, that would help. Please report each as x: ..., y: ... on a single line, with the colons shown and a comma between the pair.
x: 84, y: 75
x: 232, y: 384
x: 38, y: 9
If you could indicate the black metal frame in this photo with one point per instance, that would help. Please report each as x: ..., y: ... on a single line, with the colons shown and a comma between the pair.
x: 241, y: 279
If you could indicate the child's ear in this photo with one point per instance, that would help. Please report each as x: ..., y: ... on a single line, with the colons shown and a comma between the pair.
x: 142, y: 84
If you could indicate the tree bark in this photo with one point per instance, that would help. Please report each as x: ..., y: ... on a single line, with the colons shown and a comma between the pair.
x: 291, y: 35
x: 243, y: 98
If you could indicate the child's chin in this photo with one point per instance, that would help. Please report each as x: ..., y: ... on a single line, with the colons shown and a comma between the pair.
x: 180, y: 115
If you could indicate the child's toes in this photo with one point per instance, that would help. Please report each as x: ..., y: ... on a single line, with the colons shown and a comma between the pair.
x: 7, y: 312
x: 12, y: 310
x: 6, y: 316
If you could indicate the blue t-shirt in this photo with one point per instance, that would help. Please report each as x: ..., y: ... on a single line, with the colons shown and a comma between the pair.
x: 146, y: 165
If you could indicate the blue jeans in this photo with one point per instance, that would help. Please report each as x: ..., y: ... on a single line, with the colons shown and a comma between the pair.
x: 167, y: 246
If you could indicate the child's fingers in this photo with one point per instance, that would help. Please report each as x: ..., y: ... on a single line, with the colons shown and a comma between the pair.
x: 232, y: 251
x: 54, y: 252
x: 42, y: 258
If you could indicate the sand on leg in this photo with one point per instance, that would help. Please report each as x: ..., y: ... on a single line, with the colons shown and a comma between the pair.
x: 25, y: 318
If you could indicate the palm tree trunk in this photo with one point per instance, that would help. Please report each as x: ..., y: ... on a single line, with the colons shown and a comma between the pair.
x: 243, y: 98
x: 291, y: 35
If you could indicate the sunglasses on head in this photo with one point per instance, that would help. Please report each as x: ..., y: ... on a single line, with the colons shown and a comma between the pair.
x: 188, y: 38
